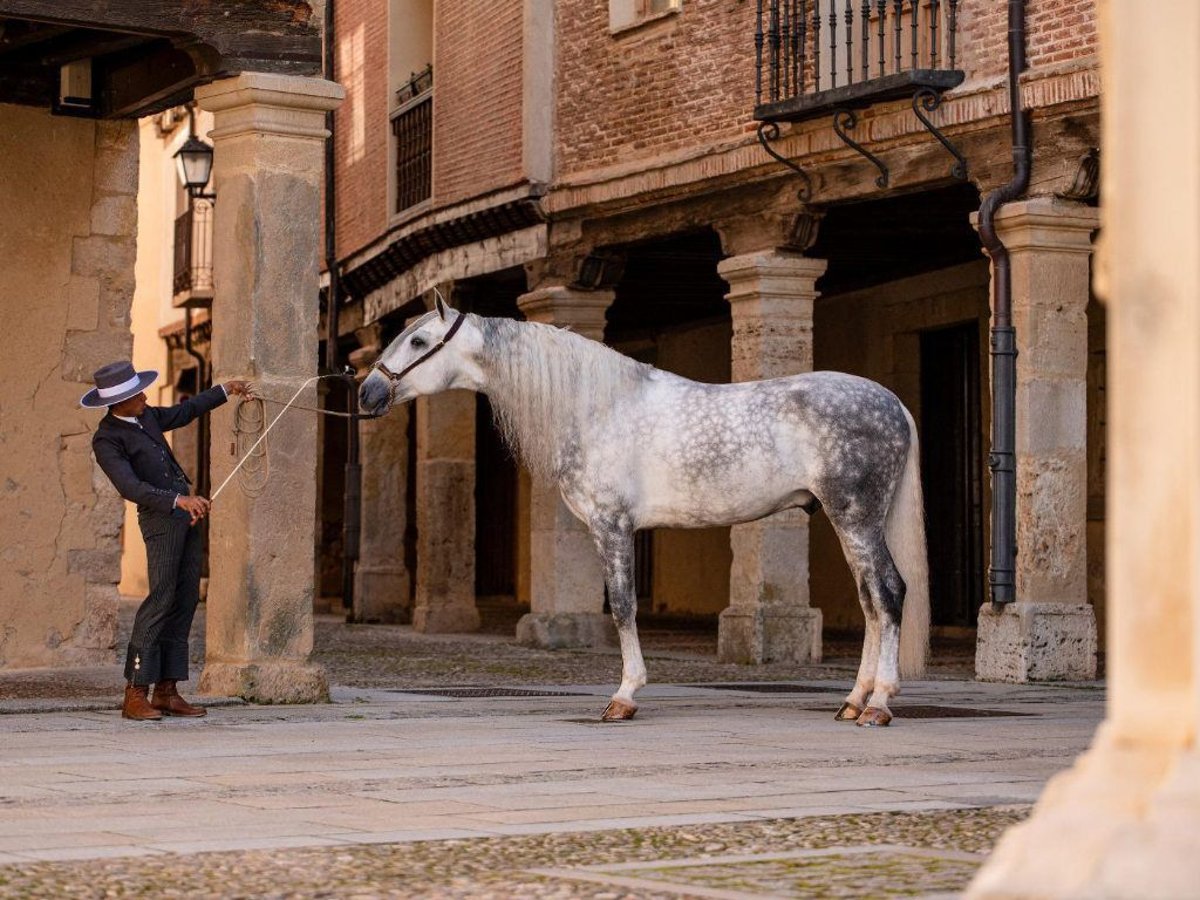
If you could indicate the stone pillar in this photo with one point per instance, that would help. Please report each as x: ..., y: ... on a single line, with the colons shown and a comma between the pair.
x: 566, y: 575
x: 1124, y: 821
x: 769, y: 617
x: 268, y: 137
x: 382, y: 590
x: 1050, y: 632
x: 446, y: 513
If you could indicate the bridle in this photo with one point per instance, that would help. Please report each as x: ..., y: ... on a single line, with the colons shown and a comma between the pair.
x: 394, y: 377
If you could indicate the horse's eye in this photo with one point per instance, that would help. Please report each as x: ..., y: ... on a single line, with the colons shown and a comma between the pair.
x: 418, y: 342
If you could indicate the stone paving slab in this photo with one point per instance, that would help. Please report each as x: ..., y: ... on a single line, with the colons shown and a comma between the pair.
x: 391, y: 765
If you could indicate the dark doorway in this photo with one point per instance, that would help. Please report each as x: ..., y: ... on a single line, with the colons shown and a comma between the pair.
x: 951, y: 471
x: 495, y: 510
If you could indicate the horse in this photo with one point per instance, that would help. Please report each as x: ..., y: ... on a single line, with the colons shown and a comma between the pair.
x: 631, y: 447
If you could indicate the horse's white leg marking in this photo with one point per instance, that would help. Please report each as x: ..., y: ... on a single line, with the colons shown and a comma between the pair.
x: 633, y: 667
x: 870, y: 659
x: 887, y: 674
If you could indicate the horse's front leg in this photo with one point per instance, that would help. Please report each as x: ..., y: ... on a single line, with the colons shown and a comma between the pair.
x: 615, y: 542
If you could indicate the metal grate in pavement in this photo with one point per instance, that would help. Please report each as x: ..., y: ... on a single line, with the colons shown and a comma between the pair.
x: 468, y: 692
x: 951, y: 712
x: 776, y: 687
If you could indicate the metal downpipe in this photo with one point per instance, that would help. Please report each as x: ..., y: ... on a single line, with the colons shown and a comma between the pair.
x: 352, y: 503
x: 1002, y: 460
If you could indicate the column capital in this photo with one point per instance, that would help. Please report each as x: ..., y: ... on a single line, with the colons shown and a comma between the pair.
x: 772, y: 279
x: 1045, y: 223
x: 581, y: 311
x: 287, y: 105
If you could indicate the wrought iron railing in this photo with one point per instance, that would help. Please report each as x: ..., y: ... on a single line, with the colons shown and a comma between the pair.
x: 412, y: 126
x: 193, y: 282
x: 814, y: 56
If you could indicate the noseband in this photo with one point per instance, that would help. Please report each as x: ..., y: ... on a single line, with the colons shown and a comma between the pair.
x: 394, y: 377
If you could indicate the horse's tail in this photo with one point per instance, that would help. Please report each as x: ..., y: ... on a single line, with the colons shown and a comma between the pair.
x: 906, y: 541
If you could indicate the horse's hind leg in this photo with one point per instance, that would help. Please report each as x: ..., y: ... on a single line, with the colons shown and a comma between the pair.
x: 615, y: 544
x: 881, y: 592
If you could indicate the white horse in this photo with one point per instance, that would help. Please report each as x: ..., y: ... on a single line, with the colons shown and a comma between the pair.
x: 634, y: 447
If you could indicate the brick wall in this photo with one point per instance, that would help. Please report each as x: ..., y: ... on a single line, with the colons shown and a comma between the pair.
x: 477, y: 97
x: 688, y: 80
x: 1058, y: 31
x: 675, y: 83
x: 361, y: 123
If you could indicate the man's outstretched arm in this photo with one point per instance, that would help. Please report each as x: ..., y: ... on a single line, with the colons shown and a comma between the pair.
x: 171, y: 417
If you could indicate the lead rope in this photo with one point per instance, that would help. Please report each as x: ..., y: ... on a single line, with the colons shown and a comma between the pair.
x: 246, y: 424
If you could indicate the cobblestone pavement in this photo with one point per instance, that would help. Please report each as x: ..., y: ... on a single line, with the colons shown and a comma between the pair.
x: 879, y: 855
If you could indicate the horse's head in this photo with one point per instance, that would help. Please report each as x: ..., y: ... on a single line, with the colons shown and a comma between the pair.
x: 434, y: 354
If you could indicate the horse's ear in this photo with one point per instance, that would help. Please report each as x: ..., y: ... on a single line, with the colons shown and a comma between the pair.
x: 441, y: 308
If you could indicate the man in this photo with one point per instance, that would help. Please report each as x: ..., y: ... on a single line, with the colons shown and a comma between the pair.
x: 130, y: 448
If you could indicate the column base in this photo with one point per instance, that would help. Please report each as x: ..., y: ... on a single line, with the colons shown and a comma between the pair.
x: 457, y: 618
x: 1022, y: 642
x: 559, y: 631
x: 761, y: 634
x: 1120, y: 823
x: 271, y: 682
x: 383, y: 594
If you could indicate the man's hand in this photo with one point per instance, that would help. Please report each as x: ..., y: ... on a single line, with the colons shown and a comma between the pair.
x: 242, y: 388
x: 196, y: 507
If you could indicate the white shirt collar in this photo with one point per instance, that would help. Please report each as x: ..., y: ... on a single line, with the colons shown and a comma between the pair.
x: 130, y: 419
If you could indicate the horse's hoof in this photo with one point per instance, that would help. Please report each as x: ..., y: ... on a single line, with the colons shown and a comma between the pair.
x: 618, y: 711
x: 873, y: 717
x: 848, y: 713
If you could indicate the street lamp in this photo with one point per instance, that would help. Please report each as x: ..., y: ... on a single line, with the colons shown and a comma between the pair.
x: 194, y: 163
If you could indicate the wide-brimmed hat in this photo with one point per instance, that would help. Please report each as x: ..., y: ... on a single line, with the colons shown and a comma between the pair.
x: 116, y: 382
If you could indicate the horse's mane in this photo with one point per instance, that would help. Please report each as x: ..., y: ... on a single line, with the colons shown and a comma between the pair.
x: 543, y: 382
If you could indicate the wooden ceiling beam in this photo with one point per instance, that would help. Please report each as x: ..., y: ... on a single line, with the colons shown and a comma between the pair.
x: 266, y: 36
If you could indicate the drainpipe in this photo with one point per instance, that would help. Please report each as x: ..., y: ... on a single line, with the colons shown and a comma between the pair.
x: 1002, y: 460
x: 352, y: 503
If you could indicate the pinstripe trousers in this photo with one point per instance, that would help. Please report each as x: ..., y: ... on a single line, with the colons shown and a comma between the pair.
x: 158, y: 646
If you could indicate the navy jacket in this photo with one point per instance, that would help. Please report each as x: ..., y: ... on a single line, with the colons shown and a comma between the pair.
x: 138, y: 461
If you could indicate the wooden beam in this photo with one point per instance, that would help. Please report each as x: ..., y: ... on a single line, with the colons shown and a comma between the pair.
x: 136, y: 83
x: 15, y: 34
x: 258, y: 35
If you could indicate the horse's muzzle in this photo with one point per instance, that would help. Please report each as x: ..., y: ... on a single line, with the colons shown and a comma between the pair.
x: 374, y: 396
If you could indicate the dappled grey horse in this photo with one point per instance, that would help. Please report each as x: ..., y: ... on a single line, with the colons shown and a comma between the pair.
x: 634, y: 447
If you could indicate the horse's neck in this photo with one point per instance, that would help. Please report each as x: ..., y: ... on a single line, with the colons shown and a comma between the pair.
x: 542, y: 385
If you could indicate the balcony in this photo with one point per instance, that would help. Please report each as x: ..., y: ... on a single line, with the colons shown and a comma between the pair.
x: 193, y: 281
x: 412, y: 127
x: 820, y: 56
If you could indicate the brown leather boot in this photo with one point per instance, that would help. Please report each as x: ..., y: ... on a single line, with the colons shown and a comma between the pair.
x: 137, y: 705
x: 167, y: 699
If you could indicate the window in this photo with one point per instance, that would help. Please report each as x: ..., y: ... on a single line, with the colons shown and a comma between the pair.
x: 626, y: 14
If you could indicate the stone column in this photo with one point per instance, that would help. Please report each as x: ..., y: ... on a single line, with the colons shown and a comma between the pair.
x: 769, y: 617
x: 566, y: 575
x: 446, y: 513
x: 1124, y: 821
x: 268, y: 136
x: 381, y: 579
x: 1050, y: 632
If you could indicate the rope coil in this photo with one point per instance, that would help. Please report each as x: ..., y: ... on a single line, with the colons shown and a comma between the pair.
x: 248, y: 420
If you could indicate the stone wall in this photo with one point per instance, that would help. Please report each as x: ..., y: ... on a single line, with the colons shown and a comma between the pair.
x: 68, y: 231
